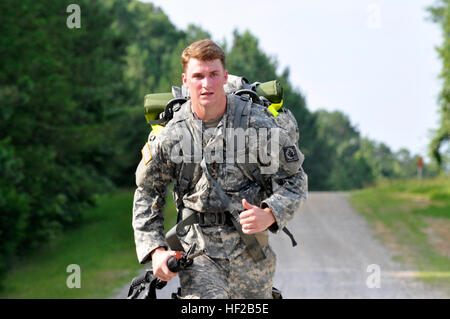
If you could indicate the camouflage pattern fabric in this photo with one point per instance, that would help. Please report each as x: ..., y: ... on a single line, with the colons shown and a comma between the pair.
x: 153, y: 175
x: 229, y: 278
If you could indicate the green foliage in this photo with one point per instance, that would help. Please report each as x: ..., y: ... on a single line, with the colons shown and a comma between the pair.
x: 348, y: 167
x: 399, y: 165
x: 54, y: 87
x: 336, y: 127
x: 356, y: 162
x: 14, y: 205
x: 152, y: 50
x: 440, y: 13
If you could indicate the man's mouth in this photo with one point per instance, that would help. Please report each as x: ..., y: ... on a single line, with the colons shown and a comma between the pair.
x: 206, y: 93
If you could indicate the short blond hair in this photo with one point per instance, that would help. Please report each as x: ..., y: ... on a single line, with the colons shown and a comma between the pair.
x: 203, y: 50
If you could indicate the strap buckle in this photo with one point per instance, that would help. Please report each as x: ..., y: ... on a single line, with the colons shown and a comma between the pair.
x: 211, y: 219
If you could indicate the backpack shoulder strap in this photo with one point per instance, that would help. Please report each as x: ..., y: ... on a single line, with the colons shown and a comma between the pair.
x: 242, y: 107
x: 187, y: 171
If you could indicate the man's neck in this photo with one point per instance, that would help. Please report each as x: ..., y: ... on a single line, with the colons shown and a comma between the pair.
x: 210, y: 113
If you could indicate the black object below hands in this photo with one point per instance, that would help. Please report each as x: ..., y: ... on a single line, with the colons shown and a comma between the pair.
x: 180, y: 261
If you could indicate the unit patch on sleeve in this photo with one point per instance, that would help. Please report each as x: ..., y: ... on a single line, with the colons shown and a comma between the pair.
x: 290, y: 154
x: 146, y: 154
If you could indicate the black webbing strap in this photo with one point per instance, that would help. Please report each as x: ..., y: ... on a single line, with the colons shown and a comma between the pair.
x: 185, y: 216
x: 187, y: 171
x: 287, y: 232
x: 139, y: 283
x: 188, y: 217
x: 238, y: 113
x: 245, y: 117
x: 250, y: 241
x: 157, y: 122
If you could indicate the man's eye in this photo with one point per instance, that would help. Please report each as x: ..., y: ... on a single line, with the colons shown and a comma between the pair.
x: 197, y: 76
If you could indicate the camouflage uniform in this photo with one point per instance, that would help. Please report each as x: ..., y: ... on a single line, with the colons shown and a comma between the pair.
x: 227, y: 271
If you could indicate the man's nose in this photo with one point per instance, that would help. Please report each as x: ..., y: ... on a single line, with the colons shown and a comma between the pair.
x: 206, y: 82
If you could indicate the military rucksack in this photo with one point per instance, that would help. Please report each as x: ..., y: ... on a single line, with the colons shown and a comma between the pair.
x: 159, y: 107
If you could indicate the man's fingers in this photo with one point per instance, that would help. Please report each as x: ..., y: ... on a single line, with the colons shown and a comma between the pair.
x: 245, y: 214
x: 249, y: 229
x: 161, y: 270
x: 165, y: 275
x: 160, y: 275
x: 246, y: 204
x: 249, y: 213
x: 247, y: 220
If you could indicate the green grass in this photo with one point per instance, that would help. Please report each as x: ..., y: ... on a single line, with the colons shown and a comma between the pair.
x: 103, y: 247
x: 411, y: 218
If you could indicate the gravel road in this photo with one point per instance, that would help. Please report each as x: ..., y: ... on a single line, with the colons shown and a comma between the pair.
x: 337, y: 256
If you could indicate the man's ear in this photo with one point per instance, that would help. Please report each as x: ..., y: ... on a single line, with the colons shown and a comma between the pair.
x: 184, y: 79
x: 226, y: 76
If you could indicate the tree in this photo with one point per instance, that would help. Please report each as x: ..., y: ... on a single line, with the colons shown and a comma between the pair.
x: 55, y: 85
x: 440, y: 13
x: 349, y: 169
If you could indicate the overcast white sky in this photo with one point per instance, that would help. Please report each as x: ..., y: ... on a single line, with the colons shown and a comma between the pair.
x: 371, y: 59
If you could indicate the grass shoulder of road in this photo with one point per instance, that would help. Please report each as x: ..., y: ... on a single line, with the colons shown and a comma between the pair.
x: 103, y: 247
x: 412, y: 217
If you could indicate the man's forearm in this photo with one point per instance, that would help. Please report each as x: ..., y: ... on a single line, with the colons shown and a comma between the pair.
x: 148, y: 224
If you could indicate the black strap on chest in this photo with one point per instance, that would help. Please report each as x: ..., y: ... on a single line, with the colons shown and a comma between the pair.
x: 187, y: 172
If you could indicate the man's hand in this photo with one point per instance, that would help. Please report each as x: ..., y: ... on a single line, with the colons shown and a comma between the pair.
x: 159, y: 263
x: 255, y: 219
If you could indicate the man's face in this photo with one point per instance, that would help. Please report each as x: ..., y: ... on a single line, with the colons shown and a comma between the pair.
x: 205, y: 81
